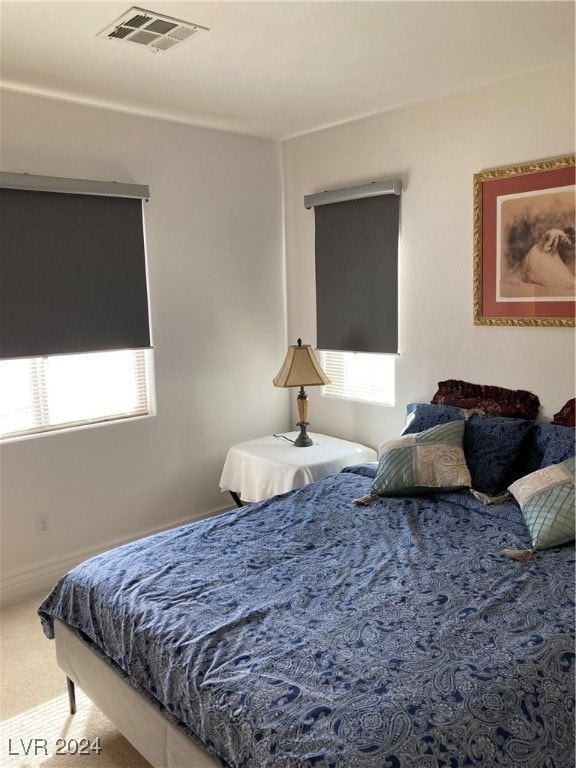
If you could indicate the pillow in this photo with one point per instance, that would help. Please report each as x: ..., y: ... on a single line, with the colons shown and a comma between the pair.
x: 421, y: 416
x: 549, y: 444
x: 546, y: 498
x: 425, y: 462
x: 496, y: 448
x: 496, y: 401
x: 566, y: 416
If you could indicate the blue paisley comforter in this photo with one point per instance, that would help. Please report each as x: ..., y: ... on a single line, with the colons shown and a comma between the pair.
x: 308, y: 631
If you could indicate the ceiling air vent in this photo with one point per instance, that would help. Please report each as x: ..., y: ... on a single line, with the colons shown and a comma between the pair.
x: 149, y: 29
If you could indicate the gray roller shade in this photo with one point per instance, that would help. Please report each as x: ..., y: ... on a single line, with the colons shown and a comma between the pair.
x: 72, y: 273
x: 357, y: 274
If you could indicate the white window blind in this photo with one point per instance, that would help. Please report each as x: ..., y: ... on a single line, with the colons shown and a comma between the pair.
x: 43, y: 394
x: 360, y: 376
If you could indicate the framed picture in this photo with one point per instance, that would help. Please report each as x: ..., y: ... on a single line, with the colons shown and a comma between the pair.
x: 524, y: 220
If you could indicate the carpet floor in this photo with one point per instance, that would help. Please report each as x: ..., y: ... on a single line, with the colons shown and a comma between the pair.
x: 36, y: 728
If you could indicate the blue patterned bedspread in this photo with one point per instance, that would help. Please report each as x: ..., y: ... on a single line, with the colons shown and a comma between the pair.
x: 308, y: 631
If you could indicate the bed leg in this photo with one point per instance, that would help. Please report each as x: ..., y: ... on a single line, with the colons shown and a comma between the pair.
x: 71, y: 695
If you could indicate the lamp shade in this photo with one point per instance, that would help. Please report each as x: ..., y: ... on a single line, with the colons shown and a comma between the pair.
x: 300, y: 368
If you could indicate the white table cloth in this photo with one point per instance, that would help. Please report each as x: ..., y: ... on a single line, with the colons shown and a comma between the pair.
x: 258, y: 469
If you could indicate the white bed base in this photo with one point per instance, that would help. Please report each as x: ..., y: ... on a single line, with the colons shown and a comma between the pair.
x: 158, y: 740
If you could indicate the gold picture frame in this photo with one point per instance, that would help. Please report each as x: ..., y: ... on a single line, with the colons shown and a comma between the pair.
x: 524, y: 220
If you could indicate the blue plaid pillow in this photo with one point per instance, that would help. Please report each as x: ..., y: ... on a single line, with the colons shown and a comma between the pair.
x: 425, y: 462
x: 546, y: 498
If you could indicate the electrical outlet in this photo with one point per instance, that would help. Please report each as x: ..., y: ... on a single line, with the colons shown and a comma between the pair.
x: 42, y: 524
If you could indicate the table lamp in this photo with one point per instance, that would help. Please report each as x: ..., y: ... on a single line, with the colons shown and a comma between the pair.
x: 301, y: 369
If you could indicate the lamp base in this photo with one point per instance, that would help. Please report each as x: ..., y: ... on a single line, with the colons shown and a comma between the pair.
x: 303, y: 440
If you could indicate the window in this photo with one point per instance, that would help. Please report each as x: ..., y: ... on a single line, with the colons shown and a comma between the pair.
x: 358, y: 376
x: 75, y: 347
x: 356, y: 259
x: 41, y: 394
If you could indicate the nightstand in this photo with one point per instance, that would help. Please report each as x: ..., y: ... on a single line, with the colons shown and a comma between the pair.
x: 261, y: 468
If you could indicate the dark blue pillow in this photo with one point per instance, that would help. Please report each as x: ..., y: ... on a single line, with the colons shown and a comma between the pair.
x: 422, y: 416
x: 496, y: 448
x: 549, y: 444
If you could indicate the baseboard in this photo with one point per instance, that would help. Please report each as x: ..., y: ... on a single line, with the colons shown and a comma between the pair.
x: 25, y: 583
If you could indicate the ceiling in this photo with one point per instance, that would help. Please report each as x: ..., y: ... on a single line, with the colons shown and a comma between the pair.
x: 279, y: 69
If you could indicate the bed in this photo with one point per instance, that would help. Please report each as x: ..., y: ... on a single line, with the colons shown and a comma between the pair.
x: 383, y: 617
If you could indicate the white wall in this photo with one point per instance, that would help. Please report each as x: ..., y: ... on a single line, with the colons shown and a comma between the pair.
x: 435, y: 149
x: 214, y: 239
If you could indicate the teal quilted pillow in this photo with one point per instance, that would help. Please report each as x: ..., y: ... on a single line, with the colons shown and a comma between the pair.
x: 423, y: 462
x: 546, y: 498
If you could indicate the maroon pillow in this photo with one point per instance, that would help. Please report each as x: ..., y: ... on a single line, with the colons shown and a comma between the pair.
x: 565, y: 416
x: 496, y: 401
